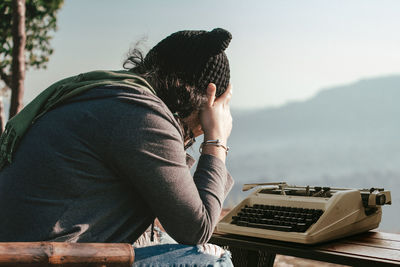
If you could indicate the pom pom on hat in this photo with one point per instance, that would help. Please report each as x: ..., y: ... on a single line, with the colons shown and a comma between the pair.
x: 196, y: 57
x: 219, y: 40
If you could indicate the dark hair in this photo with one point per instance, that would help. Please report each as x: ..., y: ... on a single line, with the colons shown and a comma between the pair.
x: 180, y: 97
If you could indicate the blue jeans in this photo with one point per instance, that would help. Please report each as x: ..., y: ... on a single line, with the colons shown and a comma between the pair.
x: 177, y: 255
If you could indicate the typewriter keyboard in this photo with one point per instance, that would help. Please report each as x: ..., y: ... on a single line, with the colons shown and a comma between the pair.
x: 280, y: 218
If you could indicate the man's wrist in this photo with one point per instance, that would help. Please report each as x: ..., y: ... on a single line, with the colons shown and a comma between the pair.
x: 208, y: 137
x: 215, y: 142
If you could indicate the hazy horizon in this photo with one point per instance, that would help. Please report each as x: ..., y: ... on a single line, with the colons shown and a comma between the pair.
x: 281, y: 51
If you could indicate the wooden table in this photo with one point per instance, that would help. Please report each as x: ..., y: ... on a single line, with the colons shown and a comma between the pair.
x: 367, y: 249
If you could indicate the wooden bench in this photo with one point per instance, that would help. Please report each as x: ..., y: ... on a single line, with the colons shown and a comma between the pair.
x: 65, y: 254
x: 367, y: 249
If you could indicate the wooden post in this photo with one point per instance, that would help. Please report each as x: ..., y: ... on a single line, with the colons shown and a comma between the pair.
x: 65, y: 254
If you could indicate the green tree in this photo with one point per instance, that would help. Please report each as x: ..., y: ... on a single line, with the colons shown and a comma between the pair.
x: 40, y: 24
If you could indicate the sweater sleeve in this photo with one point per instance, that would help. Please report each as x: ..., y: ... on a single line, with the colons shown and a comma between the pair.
x: 147, y: 149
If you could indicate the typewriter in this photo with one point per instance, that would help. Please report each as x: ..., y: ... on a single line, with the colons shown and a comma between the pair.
x: 305, y: 214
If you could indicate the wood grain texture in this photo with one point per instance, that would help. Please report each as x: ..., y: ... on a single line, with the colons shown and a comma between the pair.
x: 65, y: 254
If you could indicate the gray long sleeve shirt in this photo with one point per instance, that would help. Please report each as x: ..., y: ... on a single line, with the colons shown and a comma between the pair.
x: 101, y: 167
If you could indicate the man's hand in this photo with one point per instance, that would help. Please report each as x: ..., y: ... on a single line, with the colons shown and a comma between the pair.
x: 216, y: 120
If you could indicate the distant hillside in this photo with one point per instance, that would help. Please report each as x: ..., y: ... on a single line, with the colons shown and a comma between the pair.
x: 366, y: 107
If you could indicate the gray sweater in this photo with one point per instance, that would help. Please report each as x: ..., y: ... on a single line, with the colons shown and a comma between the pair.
x: 101, y: 167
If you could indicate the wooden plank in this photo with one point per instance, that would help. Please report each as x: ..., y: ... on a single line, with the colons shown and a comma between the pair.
x: 378, y: 243
x: 65, y: 254
x: 350, y: 259
x: 374, y: 239
x: 380, y: 235
x: 362, y: 251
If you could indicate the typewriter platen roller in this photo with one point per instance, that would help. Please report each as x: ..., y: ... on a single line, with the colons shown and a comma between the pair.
x: 305, y: 214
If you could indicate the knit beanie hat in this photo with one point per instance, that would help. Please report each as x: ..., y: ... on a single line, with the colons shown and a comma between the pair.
x: 196, y: 57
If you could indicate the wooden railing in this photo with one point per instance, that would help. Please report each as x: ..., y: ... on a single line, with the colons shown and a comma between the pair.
x: 65, y: 254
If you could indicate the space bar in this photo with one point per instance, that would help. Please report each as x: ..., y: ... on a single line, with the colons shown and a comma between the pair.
x: 271, y: 227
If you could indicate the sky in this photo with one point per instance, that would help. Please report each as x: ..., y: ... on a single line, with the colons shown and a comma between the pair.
x: 281, y: 51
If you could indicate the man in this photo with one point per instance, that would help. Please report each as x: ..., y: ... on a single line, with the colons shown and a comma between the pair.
x: 98, y: 156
